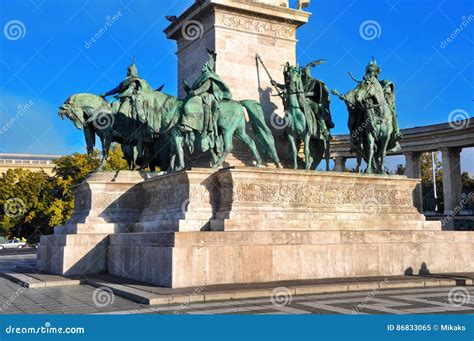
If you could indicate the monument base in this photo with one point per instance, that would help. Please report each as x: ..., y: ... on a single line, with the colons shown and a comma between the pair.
x: 199, y: 227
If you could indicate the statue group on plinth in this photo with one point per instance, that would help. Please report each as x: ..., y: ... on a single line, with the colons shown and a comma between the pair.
x: 154, y: 128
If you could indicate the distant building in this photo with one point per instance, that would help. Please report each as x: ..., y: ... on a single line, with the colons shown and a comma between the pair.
x: 31, y: 162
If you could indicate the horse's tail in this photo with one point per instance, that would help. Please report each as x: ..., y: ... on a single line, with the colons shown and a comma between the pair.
x: 263, y: 135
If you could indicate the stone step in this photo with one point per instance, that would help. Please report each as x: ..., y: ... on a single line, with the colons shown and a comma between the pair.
x: 88, y: 228
x: 144, y: 217
x: 172, y: 225
x: 253, y: 238
x: 258, y: 224
x: 434, y: 225
x: 239, y: 210
x: 343, y: 216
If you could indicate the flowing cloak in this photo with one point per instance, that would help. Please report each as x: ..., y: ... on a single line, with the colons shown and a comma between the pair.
x: 220, y: 90
x: 193, y: 107
x: 151, y: 106
x: 317, y: 93
x: 389, y: 94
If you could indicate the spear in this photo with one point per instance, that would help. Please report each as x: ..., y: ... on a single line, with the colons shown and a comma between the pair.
x: 257, y: 57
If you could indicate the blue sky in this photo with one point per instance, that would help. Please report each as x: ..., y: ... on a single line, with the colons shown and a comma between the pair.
x: 52, y: 59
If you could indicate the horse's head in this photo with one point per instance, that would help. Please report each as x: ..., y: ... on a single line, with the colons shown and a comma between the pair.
x: 81, y: 107
x: 73, y: 112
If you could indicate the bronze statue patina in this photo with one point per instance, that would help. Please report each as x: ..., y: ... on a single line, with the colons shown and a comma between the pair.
x: 306, y: 102
x: 372, y: 123
x: 210, y: 112
x: 95, y: 116
x: 158, y: 125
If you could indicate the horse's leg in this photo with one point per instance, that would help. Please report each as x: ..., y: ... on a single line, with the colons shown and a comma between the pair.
x: 369, y: 151
x: 228, y: 145
x: 89, y: 134
x: 106, y: 140
x: 294, y: 152
x: 383, y: 154
x: 307, y: 153
x: 214, y: 155
x: 178, y: 151
x: 127, y: 151
x: 242, y: 136
x: 327, y: 153
x: 318, y: 150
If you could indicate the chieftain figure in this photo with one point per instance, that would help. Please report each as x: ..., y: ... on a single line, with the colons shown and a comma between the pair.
x: 306, y: 102
x: 317, y: 94
x: 373, y: 122
x: 201, y: 103
x: 126, y: 92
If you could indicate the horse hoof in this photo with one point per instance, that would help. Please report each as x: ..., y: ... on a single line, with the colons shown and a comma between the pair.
x: 278, y: 165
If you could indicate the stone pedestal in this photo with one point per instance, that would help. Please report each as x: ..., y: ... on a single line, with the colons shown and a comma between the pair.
x: 237, y: 30
x: 105, y: 203
x: 199, y: 227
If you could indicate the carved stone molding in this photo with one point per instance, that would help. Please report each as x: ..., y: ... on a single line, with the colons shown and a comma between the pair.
x: 255, y: 25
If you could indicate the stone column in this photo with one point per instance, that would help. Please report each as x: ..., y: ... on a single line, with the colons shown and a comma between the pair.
x: 339, y: 164
x: 452, y: 185
x: 413, y: 171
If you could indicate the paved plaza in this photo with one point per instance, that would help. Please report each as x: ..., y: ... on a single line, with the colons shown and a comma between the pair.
x: 85, y: 299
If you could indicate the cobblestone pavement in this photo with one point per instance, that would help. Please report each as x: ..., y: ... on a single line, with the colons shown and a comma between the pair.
x: 84, y: 299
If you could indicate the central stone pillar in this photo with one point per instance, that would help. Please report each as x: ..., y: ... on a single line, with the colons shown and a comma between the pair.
x: 237, y: 30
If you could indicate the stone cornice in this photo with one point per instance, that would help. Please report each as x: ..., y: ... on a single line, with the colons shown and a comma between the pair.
x: 286, y: 15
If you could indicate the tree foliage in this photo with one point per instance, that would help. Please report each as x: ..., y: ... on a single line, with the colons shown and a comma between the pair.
x: 34, y: 202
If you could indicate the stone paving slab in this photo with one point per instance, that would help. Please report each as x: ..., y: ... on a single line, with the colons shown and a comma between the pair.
x: 151, y: 295
x: 30, y: 279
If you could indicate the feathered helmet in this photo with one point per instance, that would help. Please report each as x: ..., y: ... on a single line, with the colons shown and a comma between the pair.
x: 373, y: 67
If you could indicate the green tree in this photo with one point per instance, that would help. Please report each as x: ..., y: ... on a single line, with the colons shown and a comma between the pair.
x: 116, y: 159
x: 33, y: 203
